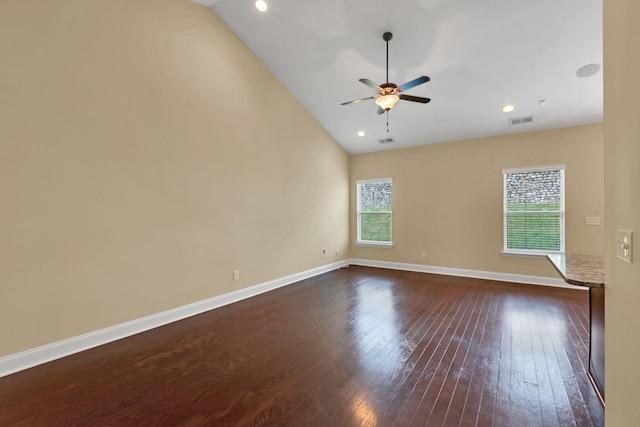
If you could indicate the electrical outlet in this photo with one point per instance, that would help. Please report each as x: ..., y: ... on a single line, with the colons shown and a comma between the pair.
x: 424, y: 254
x: 323, y: 254
x: 236, y: 274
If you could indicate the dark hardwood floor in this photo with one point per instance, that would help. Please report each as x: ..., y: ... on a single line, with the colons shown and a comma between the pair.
x: 353, y: 347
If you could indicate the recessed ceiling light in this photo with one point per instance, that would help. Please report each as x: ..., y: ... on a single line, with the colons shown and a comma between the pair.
x: 261, y: 5
x: 508, y: 108
x: 588, y: 70
x: 361, y: 133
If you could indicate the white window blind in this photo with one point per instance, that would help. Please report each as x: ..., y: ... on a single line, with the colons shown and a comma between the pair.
x: 534, y: 212
x: 374, y: 211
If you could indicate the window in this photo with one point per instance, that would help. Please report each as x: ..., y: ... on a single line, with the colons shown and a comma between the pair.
x: 534, y: 210
x: 374, y: 212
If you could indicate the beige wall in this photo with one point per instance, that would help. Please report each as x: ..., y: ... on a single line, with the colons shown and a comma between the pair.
x: 622, y: 176
x: 447, y: 198
x: 145, y: 154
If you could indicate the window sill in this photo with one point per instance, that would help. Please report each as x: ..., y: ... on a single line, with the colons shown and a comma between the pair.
x: 527, y: 254
x: 375, y: 244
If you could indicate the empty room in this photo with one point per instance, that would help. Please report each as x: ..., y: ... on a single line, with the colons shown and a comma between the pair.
x: 345, y: 213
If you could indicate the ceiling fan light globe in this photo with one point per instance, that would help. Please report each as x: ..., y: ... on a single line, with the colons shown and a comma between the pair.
x: 386, y: 102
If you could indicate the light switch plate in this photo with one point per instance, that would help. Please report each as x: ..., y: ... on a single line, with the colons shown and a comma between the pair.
x: 624, y: 243
x: 592, y: 220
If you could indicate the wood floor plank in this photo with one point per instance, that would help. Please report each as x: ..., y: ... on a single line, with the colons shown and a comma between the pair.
x: 354, y: 347
x: 421, y: 354
x: 517, y: 399
x: 532, y: 394
x: 429, y: 362
x: 545, y: 392
x: 560, y: 396
x: 489, y: 373
x: 473, y: 392
x: 563, y: 345
x: 503, y: 398
x: 443, y: 386
x: 457, y: 404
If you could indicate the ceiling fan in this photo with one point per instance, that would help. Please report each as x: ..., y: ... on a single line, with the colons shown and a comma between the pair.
x: 389, y: 93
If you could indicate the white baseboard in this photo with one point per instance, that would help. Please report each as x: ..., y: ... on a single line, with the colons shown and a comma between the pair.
x: 476, y: 274
x: 37, y: 356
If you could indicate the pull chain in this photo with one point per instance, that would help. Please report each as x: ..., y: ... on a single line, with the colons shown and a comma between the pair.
x: 387, y: 121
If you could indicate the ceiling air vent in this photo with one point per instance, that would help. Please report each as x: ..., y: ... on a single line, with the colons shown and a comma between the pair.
x: 386, y: 140
x: 520, y: 120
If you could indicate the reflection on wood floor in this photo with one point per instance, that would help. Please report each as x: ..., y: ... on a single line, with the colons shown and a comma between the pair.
x: 353, y: 347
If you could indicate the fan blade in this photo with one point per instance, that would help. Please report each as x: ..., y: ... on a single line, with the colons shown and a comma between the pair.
x: 355, y: 101
x: 380, y: 111
x: 414, y: 98
x: 414, y: 83
x: 370, y: 83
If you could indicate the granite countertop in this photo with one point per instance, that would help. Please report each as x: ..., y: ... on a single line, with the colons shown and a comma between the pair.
x: 581, y: 270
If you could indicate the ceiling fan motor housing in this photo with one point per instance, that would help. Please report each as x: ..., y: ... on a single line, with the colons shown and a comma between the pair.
x: 388, y: 89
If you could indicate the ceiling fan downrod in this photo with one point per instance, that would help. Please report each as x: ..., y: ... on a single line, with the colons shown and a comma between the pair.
x: 386, y: 37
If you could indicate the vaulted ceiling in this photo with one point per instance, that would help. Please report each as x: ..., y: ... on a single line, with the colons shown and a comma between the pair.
x: 480, y: 56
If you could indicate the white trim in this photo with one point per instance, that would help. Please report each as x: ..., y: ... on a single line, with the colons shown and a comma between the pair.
x: 380, y: 180
x: 37, y: 356
x: 476, y: 274
x: 359, y: 212
x: 373, y: 244
x: 527, y: 254
x: 534, y: 169
x: 506, y: 213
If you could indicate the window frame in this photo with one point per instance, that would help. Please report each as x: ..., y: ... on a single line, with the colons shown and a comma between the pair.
x: 375, y: 243
x: 561, y: 212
